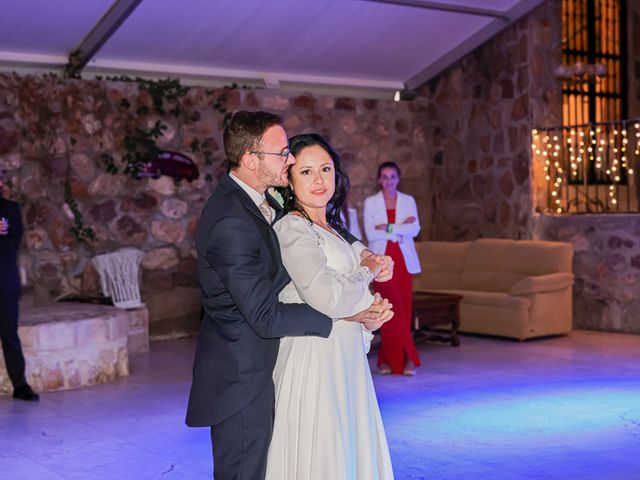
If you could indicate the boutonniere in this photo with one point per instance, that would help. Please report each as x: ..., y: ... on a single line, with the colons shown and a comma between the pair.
x: 276, y: 196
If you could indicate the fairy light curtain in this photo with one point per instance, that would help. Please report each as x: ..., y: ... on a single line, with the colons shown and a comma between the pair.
x: 590, y: 158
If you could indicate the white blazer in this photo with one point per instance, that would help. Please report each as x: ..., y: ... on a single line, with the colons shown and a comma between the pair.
x: 375, y: 213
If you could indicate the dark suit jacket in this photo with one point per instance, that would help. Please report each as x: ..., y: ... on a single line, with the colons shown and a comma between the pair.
x: 241, y: 275
x: 9, y: 244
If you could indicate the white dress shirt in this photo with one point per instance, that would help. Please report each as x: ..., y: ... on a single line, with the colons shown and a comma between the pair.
x: 256, y: 196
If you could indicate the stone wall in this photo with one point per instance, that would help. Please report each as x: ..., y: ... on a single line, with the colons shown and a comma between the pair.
x: 481, y: 114
x: 606, y: 265
x: 54, y: 130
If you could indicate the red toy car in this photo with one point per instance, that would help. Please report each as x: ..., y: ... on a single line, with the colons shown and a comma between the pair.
x: 173, y: 164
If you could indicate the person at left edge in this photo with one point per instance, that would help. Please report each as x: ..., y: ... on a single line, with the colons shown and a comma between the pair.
x: 10, y: 237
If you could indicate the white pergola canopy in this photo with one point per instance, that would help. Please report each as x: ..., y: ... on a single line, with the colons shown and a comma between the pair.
x: 372, y: 47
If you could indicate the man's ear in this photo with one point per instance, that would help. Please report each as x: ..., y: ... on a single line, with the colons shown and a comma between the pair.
x: 248, y: 161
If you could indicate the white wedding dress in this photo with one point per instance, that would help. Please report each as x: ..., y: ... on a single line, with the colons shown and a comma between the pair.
x: 327, y: 422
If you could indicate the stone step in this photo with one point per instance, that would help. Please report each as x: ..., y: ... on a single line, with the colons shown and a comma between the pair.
x: 69, y: 345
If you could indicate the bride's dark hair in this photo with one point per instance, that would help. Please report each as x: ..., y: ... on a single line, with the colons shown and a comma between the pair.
x: 299, y: 143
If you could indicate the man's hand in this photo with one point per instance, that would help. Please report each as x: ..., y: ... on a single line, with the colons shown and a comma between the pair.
x: 376, y: 315
x: 384, y: 318
x: 382, y: 226
x: 4, y: 226
x: 386, y: 261
x: 410, y: 219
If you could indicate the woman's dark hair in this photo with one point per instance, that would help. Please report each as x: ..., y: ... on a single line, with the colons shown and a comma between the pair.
x: 388, y: 165
x: 299, y: 143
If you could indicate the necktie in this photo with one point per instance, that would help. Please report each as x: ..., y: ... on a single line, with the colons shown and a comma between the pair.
x: 266, y: 211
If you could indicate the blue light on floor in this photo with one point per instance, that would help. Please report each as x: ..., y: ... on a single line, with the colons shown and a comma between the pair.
x: 482, y: 420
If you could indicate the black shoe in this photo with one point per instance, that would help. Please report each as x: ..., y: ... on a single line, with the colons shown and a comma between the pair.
x: 25, y: 393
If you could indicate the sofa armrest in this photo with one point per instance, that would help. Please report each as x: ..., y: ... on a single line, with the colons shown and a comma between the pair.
x: 542, y: 283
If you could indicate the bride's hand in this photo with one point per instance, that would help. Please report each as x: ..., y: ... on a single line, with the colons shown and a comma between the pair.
x: 386, y: 261
x: 374, y: 266
x: 387, y: 268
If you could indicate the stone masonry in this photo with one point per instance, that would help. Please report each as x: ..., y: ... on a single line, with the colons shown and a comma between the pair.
x: 54, y: 130
x: 71, y: 345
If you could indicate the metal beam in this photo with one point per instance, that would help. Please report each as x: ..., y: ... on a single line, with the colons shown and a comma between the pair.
x: 226, y: 76
x: 99, y: 34
x: 216, y: 77
x: 446, y: 7
x: 471, y: 43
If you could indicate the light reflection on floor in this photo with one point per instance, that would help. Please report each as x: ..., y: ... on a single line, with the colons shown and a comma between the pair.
x: 560, y: 408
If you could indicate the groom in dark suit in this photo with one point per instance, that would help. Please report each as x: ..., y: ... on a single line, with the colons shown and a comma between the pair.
x: 241, y: 275
x: 10, y: 237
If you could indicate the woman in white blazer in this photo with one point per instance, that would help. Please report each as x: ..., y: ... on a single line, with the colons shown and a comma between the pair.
x: 390, y: 224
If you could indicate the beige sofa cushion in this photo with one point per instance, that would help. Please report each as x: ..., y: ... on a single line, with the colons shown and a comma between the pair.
x: 489, y: 281
x: 443, y: 256
x: 489, y: 320
x: 442, y: 264
x: 488, y: 255
x: 487, y: 266
x: 536, y: 257
x: 491, y: 299
x: 497, y: 265
x: 551, y: 282
x: 435, y: 280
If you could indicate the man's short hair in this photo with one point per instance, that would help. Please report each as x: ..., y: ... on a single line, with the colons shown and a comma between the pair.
x: 244, y: 133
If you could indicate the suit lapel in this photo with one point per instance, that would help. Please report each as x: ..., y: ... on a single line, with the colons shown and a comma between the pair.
x: 253, y: 208
x: 244, y: 198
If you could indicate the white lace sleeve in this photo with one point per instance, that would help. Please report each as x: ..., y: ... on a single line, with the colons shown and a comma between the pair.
x: 336, y: 294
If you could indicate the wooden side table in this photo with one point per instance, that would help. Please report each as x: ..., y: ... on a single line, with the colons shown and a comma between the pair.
x: 432, y: 309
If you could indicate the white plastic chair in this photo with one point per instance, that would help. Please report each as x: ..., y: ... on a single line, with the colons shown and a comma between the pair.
x: 119, y: 276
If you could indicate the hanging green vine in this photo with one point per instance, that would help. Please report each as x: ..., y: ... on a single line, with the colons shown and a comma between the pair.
x: 109, y: 163
x: 139, y: 141
x: 82, y: 233
x: 164, y: 90
x: 140, y: 144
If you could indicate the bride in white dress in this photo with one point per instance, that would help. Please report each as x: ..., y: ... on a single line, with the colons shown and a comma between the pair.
x: 327, y: 423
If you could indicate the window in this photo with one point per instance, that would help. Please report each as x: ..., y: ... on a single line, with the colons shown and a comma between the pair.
x: 594, y: 91
x: 592, y: 38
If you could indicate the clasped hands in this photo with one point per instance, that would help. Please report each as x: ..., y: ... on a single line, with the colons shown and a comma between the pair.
x: 376, y: 315
x: 381, y: 266
x: 380, y: 311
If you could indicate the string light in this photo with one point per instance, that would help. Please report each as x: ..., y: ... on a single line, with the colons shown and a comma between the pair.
x: 607, y: 150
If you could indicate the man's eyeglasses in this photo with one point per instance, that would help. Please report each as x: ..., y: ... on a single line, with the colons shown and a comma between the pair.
x: 284, y: 155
